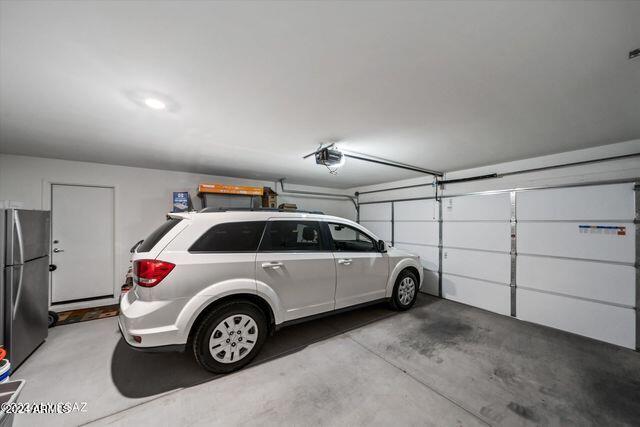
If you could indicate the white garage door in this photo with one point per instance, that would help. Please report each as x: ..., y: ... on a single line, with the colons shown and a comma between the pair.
x: 476, y: 263
x: 575, y: 264
x: 416, y: 229
x: 377, y: 218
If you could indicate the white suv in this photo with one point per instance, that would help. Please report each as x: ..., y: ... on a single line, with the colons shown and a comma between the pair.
x: 220, y: 282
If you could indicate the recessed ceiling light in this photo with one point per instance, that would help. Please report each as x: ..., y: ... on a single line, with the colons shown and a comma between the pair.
x: 155, y: 100
x: 155, y: 104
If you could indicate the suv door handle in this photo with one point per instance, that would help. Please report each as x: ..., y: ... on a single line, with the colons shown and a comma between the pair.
x: 56, y: 250
x: 273, y: 265
x: 345, y: 261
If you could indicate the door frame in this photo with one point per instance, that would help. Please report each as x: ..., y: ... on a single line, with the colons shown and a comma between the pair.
x: 47, y: 196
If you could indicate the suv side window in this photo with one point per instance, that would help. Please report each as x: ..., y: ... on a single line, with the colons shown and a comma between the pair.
x: 157, y: 234
x: 350, y: 239
x: 292, y: 236
x: 230, y: 237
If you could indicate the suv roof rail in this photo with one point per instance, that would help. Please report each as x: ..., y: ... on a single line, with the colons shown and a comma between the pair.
x: 211, y: 209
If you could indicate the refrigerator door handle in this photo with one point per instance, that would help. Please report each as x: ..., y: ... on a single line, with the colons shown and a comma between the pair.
x: 16, y: 303
x: 16, y: 221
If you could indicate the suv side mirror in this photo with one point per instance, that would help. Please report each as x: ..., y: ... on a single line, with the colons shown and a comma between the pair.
x: 382, y: 246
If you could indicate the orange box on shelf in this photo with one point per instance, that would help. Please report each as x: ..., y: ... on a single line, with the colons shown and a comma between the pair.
x: 230, y: 189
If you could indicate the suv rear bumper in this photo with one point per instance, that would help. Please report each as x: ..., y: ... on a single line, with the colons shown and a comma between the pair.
x: 151, y: 323
x: 171, y: 348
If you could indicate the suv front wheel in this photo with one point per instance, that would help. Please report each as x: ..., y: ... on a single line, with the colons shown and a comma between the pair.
x: 230, y: 337
x: 405, y: 291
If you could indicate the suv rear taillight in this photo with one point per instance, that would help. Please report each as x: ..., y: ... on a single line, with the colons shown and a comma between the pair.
x: 150, y: 272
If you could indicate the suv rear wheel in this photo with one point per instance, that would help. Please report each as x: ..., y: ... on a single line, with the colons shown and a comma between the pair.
x: 230, y: 337
x: 405, y: 291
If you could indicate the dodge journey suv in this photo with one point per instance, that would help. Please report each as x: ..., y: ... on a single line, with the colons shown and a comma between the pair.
x: 218, y: 283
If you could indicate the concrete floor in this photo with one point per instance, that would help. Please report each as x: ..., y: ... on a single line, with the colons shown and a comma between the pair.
x: 441, y: 363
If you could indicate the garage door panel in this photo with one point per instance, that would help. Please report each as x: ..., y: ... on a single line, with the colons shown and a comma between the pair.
x: 604, y: 322
x: 614, y: 283
x: 485, y: 295
x: 381, y: 229
x: 495, y: 236
x: 491, y: 266
x: 565, y: 239
x: 375, y: 212
x: 429, y: 255
x: 430, y: 283
x: 492, y: 207
x: 602, y: 202
x: 422, y: 233
x: 416, y: 210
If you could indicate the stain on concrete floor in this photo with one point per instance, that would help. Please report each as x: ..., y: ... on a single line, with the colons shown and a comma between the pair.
x: 510, y: 372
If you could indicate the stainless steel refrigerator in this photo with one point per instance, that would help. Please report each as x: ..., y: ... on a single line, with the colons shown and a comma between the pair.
x: 24, y: 283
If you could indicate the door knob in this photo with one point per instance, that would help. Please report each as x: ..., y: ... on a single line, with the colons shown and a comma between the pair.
x: 56, y: 250
x: 274, y: 265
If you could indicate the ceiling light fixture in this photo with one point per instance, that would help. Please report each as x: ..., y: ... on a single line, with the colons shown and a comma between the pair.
x: 152, y: 99
x: 155, y: 104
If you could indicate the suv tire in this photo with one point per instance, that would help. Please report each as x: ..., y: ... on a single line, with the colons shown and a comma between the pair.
x: 405, y: 291
x: 230, y: 336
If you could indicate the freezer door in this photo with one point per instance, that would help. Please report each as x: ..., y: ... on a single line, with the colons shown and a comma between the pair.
x: 28, y: 234
x: 26, y: 315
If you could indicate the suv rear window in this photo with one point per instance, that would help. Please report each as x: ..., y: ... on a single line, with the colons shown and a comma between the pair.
x: 230, y: 237
x: 157, y: 234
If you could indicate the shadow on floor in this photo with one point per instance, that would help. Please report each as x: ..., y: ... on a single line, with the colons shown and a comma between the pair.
x: 137, y: 374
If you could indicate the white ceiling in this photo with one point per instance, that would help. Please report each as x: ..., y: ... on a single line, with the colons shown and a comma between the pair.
x: 442, y: 85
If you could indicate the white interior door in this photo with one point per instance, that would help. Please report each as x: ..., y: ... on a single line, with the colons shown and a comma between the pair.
x: 82, y: 236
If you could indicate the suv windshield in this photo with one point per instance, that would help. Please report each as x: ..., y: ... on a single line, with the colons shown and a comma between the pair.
x: 157, y: 234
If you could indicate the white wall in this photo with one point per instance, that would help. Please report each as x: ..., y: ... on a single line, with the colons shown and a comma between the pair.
x: 143, y: 196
